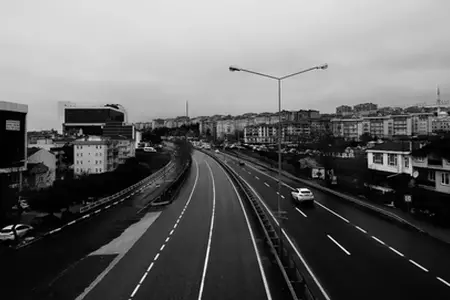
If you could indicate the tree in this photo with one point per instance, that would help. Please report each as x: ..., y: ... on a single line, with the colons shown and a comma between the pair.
x: 365, y: 138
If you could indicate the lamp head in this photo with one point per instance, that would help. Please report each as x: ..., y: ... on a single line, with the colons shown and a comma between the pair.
x: 323, y: 67
x: 234, y: 69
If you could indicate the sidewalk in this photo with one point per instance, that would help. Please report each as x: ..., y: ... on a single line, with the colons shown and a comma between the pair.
x: 442, y: 234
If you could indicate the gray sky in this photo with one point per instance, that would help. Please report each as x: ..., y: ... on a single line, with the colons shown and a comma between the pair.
x: 153, y: 55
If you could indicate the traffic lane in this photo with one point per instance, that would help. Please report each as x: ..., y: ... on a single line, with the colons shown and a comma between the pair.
x: 367, y: 259
x: 431, y: 253
x: 122, y: 280
x: 37, y: 265
x: 176, y: 273
x: 233, y: 270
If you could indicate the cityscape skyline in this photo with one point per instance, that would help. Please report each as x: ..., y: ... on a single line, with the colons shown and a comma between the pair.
x: 146, y: 58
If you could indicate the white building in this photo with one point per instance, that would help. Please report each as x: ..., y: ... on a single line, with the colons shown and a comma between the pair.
x: 347, y: 128
x: 94, y: 155
x: 390, y: 157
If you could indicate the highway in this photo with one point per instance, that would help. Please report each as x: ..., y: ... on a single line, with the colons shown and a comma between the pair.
x: 202, y: 246
x: 352, y: 253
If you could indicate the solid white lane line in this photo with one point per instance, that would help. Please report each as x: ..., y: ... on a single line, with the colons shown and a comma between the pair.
x: 162, y: 247
x: 258, y: 257
x: 266, y: 184
x: 339, y: 245
x: 443, y: 281
x: 417, y: 265
x: 397, y: 252
x: 319, y: 285
x: 156, y: 257
x: 378, y: 240
x: 208, y: 247
x: 333, y: 212
x: 257, y: 177
x: 301, y: 212
x: 360, y: 229
x: 72, y: 222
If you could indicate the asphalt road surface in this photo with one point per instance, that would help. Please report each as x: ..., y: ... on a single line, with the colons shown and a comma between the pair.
x: 352, y: 253
x: 202, y: 246
x: 37, y: 271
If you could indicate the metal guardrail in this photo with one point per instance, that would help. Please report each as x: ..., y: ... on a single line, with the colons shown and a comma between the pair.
x: 150, y: 179
x: 295, y: 281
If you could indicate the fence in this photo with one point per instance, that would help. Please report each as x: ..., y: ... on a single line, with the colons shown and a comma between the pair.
x: 148, y: 180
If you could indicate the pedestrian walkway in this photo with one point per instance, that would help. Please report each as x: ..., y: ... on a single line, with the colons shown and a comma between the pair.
x: 440, y: 233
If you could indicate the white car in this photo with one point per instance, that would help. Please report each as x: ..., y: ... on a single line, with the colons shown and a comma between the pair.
x: 149, y: 149
x: 217, y: 151
x: 303, y: 195
x: 7, y: 232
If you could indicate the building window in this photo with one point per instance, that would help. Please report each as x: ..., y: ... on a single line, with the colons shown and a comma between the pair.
x: 392, y: 159
x: 431, y: 176
x: 419, y: 159
x: 406, y: 159
x: 378, y: 158
x: 445, y: 178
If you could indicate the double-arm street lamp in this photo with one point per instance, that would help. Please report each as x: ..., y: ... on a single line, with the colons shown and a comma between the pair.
x: 279, y: 80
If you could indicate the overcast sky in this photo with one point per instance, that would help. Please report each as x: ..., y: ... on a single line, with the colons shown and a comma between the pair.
x: 153, y: 55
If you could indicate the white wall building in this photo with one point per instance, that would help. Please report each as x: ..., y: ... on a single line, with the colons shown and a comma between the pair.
x: 390, y: 157
x: 94, y: 155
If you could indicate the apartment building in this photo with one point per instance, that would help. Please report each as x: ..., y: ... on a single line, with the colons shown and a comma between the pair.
x: 347, y: 128
x: 422, y: 123
x: 344, y: 110
x: 225, y: 127
x: 268, y: 133
x: 390, y: 157
x: 95, y: 155
x: 440, y: 124
x: 431, y: 166
x: 157, y: 123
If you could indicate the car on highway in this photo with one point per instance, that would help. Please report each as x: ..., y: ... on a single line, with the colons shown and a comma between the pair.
x: 149, y: 149
x: 303, y: 195
x: 7, y: 232
x: 217, y: 151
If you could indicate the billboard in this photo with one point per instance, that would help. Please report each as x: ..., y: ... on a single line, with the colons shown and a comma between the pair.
x: 92, y: 115
x: 13, y: 133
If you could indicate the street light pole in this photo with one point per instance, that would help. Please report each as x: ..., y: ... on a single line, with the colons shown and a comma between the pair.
x: 279, y: 80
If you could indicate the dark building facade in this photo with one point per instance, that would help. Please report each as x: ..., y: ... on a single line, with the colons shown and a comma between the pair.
x: 13, y: 134
x: 114, y: 129
x: 91, y: 120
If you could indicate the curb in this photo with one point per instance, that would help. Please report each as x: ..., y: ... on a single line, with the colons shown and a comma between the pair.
x: 367, y: 206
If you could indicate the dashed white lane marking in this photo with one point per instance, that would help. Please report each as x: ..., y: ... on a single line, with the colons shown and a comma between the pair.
x: 339, y: 245
x: 282, y: 196
x: 97, y: 211
x: 378, y: 240
x: 396, y: 251
x: 55, y: 230
x: 261, y: 269
x: 167, y: 239
x: 308, y: 268
x: 418, y: 265
x: 86, y: 216
x: 116, y: 202
x: 360, y: 229
x: 357, y: 227
x: 443, y: 281
x: 208, y: 247
x: 333, y: 212
x: 266, y: 184
x: 303, y: 214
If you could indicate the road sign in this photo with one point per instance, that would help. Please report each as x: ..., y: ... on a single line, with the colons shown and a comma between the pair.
x: 408, y: 198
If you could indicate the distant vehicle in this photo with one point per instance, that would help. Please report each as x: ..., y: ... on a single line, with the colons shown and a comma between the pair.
x: 217, y: 151
x: 7, y: 232
x: 149, y: 149
x: 303, y: 195
x: 241, y: 163
x: 207, y: 146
